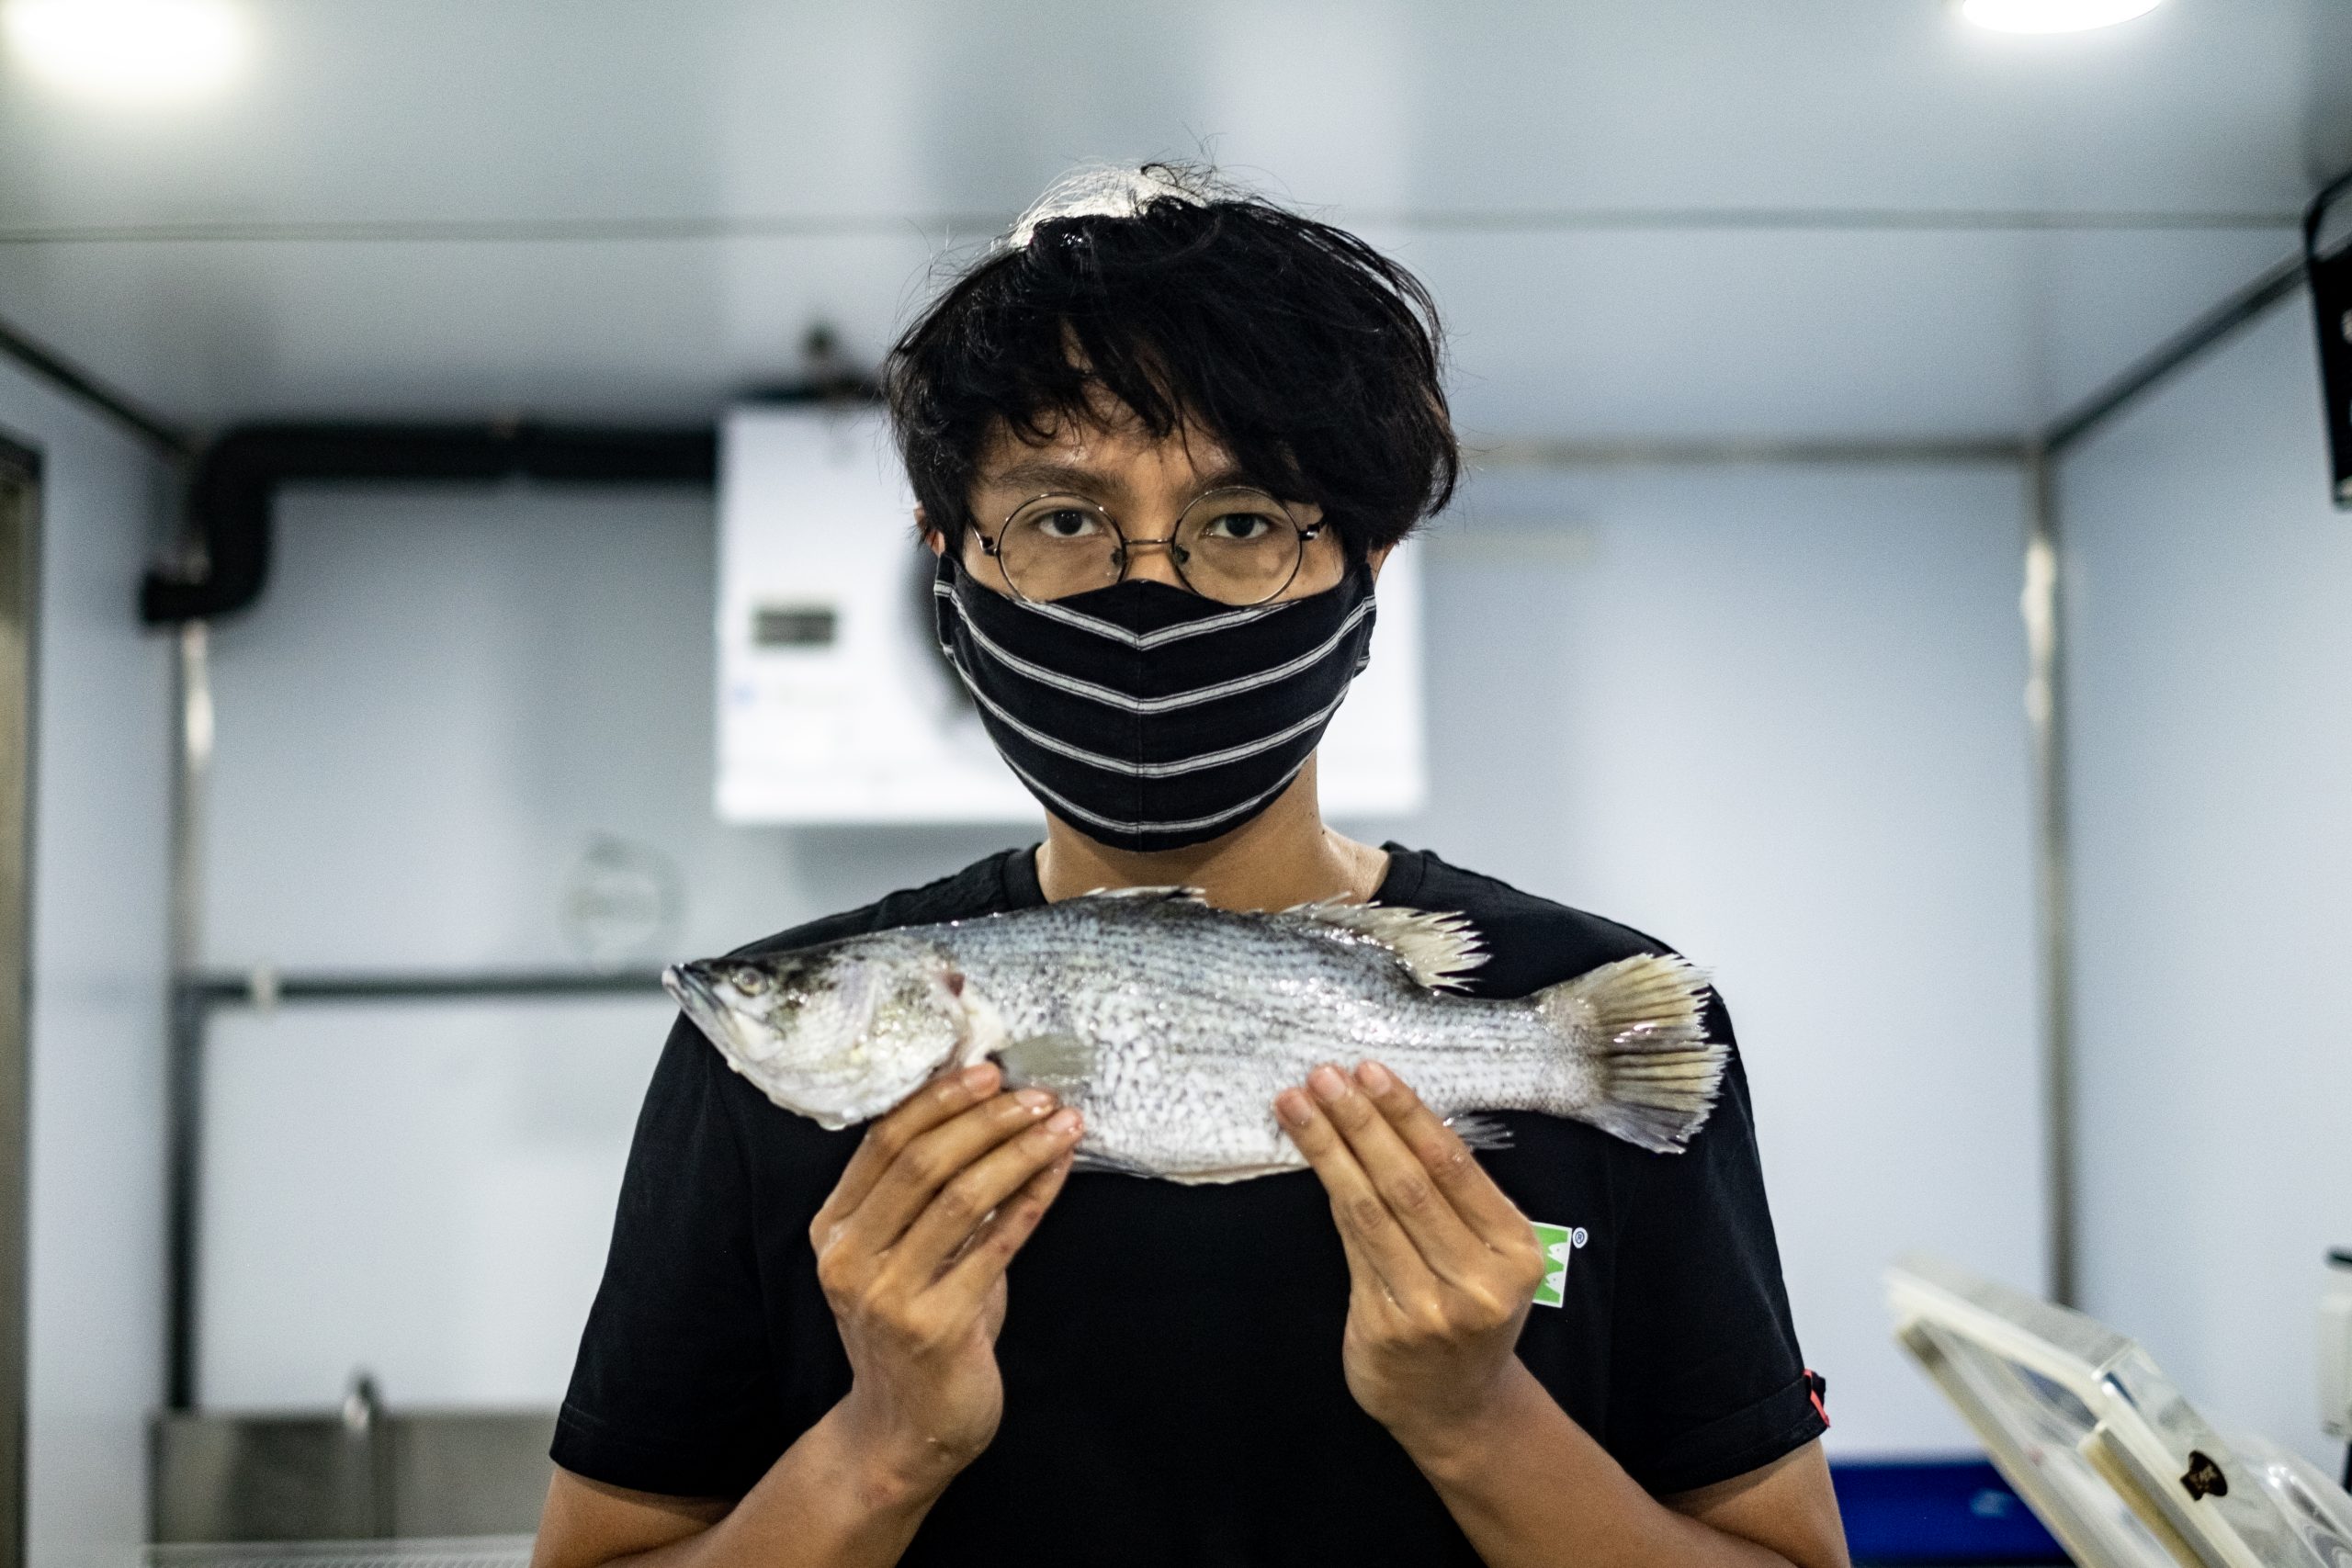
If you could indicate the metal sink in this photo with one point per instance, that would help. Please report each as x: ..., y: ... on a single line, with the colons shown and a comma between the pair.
x: 363, y: 1475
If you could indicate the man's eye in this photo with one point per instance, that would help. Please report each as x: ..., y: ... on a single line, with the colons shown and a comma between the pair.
x: 1066, y: 523
x: 1241, y: 527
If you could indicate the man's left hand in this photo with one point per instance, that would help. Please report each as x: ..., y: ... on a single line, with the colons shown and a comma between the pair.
x: 1443, y: 1267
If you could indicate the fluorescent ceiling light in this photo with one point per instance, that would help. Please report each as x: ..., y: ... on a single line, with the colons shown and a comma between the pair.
x: 128, y: 51
x: 2053, y: 15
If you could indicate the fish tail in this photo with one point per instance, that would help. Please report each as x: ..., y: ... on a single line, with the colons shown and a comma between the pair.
x: 1637, y: 1030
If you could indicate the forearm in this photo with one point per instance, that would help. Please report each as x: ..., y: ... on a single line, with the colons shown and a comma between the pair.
x: 1531, y: 1489
x: 834, y: 1499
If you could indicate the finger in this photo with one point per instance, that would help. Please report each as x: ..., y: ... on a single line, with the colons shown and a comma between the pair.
x: 945, y: 1096
x: 1365, y: 1284
x: 1362, y: 1217
x: 964, y: 1202
x: 930, y: 1160
x: 967, y: 1284
x: 1483, y: 1205
x: 1451, y: 1249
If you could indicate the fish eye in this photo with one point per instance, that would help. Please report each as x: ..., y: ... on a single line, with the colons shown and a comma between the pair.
x: 748, y: 980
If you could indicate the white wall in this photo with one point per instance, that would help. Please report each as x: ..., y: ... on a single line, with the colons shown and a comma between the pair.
x: 100, y: 826
x: 2210, y: 603
x: 444, y: 699
x: 448, y: 694
x: 423, y: 1190
x: 1771, y: 716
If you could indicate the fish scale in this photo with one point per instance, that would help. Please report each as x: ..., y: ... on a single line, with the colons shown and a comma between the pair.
x: 1173, y: 1025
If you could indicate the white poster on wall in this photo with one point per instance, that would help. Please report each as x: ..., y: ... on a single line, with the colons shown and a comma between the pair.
x: 834, y: 703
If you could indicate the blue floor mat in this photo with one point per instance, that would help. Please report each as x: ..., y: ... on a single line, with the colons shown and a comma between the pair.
x: 1946, y: 1511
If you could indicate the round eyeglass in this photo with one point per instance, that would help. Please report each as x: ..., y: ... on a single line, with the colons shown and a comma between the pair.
x: 1236, y: 545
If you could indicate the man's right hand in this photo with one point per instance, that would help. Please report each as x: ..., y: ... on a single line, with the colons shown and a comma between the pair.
x: 911, y: 1249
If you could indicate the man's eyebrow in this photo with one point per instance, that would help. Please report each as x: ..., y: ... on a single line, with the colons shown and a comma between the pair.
x: 1044, y: 474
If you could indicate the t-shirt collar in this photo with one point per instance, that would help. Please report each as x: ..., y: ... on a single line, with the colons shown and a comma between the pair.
x: 1017, y: 870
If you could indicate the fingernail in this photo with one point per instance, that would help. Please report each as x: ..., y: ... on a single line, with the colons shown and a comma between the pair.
x: 1062, y: 1122
x: 980, y: 1077
x: 1327, y: 1084
x: 1037, y: 1100
x: 1376, y: 1077
x: 1292, y: 1108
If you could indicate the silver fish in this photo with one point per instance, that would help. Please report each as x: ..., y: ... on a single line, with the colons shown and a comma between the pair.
x: 1173, y: 1025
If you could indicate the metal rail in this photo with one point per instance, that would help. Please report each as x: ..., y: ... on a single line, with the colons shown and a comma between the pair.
x: 1649, y: 451
x: 2223, y: 319
x: 2045, y: 710
x: 265, y: 987
x: 984, y: 225
x: 75, y: 382
x: 20, y: 539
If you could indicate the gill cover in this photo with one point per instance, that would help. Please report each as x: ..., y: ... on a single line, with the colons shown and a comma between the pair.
x: 839, y: 1033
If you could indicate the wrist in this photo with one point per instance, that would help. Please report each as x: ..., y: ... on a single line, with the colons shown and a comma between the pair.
x: 1459, y: 1439
x: 889, y: 1467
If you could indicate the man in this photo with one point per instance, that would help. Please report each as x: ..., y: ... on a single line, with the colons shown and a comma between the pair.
x: 1162, y: 440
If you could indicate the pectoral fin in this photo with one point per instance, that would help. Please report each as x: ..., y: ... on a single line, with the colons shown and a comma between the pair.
x: 1063, y: 1062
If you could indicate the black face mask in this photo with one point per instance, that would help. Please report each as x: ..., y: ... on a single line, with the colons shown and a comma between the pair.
x: 1146, y: 717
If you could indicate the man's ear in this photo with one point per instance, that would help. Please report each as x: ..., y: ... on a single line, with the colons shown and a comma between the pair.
x: 1373, y: 559
x: 931, y: 536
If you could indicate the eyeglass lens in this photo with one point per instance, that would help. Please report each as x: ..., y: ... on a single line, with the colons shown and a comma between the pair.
x: 1237, y: 546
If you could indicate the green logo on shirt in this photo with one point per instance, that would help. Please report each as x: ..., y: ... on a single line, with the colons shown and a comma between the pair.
x: 1557, y: 1242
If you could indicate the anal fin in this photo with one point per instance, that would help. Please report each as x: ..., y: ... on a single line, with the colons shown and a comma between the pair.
x: 1232, y: 1173
x: 1480, y: 1132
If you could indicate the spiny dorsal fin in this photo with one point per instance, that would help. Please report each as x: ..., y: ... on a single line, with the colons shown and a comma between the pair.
x: 1436, y: 949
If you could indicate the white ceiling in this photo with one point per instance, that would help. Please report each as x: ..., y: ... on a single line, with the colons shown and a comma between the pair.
x: 1653, y: 217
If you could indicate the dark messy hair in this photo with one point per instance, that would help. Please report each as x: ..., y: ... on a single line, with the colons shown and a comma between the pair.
x: 1313, y: 357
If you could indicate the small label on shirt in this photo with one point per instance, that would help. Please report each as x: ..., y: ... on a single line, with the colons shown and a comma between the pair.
x: 1557, y: 1242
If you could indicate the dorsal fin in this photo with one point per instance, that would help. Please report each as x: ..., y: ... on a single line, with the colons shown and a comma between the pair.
x: 1436, y: 949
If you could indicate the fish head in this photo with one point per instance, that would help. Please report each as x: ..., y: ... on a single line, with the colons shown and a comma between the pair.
x: 841, y: 1033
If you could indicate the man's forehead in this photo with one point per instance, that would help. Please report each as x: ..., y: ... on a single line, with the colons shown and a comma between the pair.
x: 1118, y: 447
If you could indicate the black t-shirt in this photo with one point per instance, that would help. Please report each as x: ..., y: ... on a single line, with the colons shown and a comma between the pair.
x: 1171, y: 1355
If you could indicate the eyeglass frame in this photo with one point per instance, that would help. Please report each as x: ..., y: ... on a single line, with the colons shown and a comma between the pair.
x: 1306, y: 532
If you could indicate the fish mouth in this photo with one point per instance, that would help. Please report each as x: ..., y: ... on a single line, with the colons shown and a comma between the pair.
x: 692, y: 991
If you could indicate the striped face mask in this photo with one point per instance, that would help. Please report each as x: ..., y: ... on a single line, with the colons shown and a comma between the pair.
x: 1146, y: 717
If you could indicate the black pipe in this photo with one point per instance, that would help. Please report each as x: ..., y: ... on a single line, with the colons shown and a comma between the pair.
x: 233, y: 492
x: 184, y: 1172
x: 2330, y: 275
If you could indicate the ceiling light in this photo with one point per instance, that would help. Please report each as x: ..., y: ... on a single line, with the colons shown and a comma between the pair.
x: 2053, y: 15
x: 128, y: 51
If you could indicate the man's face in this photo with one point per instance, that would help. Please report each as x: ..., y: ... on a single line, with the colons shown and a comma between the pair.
x: 1143, y: 484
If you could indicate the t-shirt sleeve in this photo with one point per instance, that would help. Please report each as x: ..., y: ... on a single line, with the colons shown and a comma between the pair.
x: 1706, y: 1381
x: 675, y: 1388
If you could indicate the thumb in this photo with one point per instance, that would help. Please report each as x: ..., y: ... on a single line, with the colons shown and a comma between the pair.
x: 992, y: 1315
